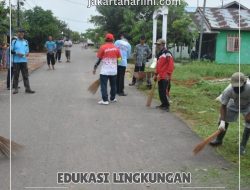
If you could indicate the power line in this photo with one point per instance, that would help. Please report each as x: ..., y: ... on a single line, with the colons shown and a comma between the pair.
x: 33, y: 2
x: 28, y: 4
x: 74, y: 2
x: 74, y: 20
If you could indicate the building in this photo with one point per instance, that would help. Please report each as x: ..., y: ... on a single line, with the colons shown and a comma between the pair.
x: 221, y: 40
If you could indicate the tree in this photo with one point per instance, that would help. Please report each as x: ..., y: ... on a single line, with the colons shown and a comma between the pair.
x: 137, y: 21
x: 4, y: 21
x: 95, y: 35
x: 181, y: 29
x: 106, y: 20
x: 40, y: 24
x: 75, y: 36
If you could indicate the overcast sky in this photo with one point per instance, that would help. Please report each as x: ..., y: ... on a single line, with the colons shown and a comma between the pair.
x: 76, y: 12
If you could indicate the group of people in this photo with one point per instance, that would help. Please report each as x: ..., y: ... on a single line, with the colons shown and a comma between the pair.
x: 113, y: 55
x: 114, y: 58
x: 18, y: 61
x: 54, y: 50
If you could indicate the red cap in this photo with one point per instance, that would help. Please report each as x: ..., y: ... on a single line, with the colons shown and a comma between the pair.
x: 109, y: 36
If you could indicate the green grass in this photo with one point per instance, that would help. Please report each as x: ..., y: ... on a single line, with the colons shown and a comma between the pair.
x: 197, y: 104
x: 197, y: 70
x: 193, y: 97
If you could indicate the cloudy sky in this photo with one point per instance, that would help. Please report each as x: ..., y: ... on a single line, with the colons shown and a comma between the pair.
x: 76, y: 12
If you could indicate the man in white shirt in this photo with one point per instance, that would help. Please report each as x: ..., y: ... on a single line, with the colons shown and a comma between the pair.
x: 67, y: 45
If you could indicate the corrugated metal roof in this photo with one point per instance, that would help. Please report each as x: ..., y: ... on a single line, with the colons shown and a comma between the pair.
x: 234, y: 4
x: 223, y: 19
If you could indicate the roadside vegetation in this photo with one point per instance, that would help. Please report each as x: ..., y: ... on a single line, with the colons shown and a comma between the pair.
x: 194, y: 89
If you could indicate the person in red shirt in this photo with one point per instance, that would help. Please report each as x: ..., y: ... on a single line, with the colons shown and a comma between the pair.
x: 163, y: 73
x: 108, y: 55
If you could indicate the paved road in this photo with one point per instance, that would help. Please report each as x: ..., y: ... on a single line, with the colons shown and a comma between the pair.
x: 64, y: 129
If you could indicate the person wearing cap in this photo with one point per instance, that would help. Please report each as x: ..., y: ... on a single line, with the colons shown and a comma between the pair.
x: 108, y: 55
x: 20, y: 51
x: 142, y: 53
x: 235, y: 96
x: 163, y: 73
x: 50, y: 45
x: 125, y: 49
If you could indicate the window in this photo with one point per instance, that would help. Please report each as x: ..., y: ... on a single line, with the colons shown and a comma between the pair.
x: 233, y: 43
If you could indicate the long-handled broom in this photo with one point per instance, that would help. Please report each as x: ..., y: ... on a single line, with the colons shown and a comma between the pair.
x: 94, y: 86
x: 151, y: 95
x: 201, y: 145
x: 5, y: 147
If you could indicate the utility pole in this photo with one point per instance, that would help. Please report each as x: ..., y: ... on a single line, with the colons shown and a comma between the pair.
x: 19, y: 3
x: 18, y: 14
x: 201, y: 29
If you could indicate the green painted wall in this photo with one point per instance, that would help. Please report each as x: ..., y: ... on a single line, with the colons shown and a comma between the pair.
x: 223, y: 57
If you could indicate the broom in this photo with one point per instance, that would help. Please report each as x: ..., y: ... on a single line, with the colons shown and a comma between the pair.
x: 201, y: 145
x: 5, y: 147
x: 151, y: 95
x: 94, y: 86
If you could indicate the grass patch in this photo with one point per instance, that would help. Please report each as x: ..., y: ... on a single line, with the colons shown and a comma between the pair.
x: 193, y: 96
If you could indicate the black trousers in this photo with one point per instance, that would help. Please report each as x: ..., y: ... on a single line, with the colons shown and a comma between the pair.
x: 10, y: 77
x: 163, y: 86
x: 58, y: 55
x: 25, y: 73
x: 137, y: 69
x: 67, y: 54
x: 50, y: 58
x: 120, y: 79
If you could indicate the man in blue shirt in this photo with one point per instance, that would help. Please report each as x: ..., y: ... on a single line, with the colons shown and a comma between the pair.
x: 50, y: 45
x: 59, y: 46
x: 20, y: 51
x: 125, y: 50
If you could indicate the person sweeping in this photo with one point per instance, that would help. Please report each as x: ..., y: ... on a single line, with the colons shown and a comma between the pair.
x: 235, y: 99
x: 108, y: 55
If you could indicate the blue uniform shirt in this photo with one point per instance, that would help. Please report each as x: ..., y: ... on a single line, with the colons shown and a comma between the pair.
x: 50, y: 46
x: 59, y: 44
x: 125, y: 50
x: 20, y: 46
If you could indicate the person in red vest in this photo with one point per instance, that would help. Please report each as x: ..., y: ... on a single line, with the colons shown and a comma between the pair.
x: 163, y: 73
x: 109, y: 56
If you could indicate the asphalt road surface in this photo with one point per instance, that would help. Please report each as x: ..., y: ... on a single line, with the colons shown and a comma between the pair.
x: 63, y: 129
